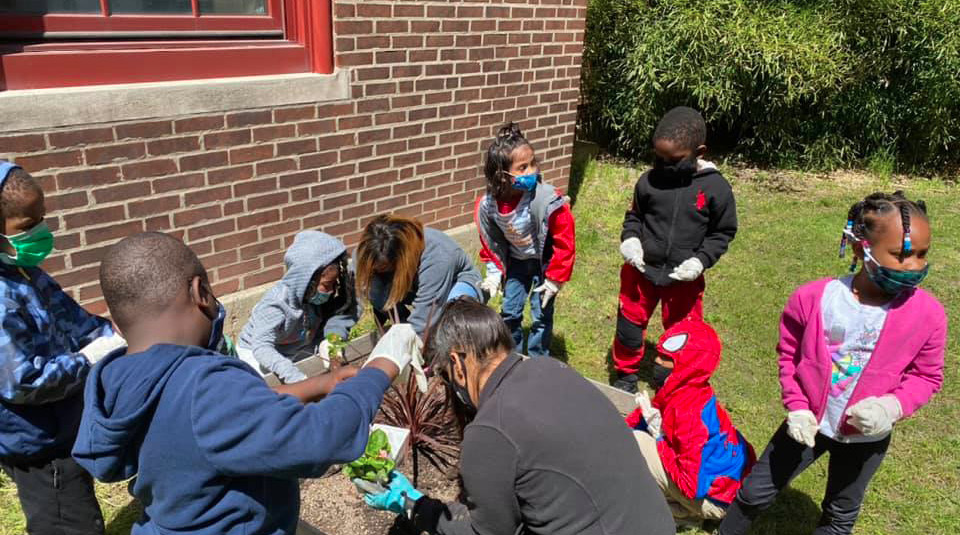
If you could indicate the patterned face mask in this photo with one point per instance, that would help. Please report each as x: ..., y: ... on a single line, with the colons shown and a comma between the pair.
x: 892, y: 281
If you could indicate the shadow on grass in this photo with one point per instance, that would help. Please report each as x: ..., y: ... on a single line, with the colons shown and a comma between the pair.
x: 583, y: 152
x: 121, y: 522
x: 794, y: 513
x: 558, y: 348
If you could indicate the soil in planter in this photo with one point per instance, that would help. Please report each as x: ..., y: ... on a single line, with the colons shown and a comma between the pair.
x: 334, y: 506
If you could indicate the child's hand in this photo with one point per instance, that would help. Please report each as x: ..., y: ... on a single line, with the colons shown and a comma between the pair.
x: 875, y: 415
x: 802, y: 426
x: 549, y: 289
x: 688, y: 270
x: 316, y: 387
x: 632, y: 251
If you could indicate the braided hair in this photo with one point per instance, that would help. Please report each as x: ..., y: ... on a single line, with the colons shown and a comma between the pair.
x: 498, y: 159
x: 863, y: 216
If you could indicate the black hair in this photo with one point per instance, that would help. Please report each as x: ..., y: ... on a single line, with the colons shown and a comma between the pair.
x: 345, y: 299
x: 143, y: 273
x: 863, y: 217
x: 466, y: 326
x: 14, y: 191
x: 498, y: 159
x: 684, y: 126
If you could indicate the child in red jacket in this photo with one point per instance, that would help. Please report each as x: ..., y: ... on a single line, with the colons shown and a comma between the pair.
x: 527, y: 232
x: 681, y: 221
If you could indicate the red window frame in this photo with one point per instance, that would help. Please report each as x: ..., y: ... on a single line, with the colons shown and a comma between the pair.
x: 297, y: 37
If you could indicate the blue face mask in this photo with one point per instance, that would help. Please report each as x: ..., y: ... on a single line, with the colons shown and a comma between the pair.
x: 892, y: 281
x: 319, y: 298
x: 526, y: 182
x: 216, y: 329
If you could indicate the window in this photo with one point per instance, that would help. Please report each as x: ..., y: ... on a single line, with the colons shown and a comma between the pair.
x: 60, y: 43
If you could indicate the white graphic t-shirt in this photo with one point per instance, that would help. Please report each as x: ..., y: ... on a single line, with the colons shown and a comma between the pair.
x: 517, y: 226
x: 851, y: 330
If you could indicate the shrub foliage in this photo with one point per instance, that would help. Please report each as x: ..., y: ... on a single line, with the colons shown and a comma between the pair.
x: 814, y: 83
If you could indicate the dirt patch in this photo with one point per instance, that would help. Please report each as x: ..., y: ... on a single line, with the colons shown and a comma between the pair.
x: 333, y: 505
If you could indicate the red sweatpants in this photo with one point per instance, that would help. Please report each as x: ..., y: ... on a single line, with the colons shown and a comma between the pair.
x: 638, y: 299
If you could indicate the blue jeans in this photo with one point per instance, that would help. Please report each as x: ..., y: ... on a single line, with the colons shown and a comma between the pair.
x: 522, y: 276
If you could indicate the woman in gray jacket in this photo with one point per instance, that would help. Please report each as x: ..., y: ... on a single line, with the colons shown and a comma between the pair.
x: 405, y: 271
x: 315, y: 298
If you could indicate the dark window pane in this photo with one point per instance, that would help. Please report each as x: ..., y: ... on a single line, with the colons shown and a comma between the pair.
x: 233, y: 7
x: 50, y: 6
x: 150, y: 6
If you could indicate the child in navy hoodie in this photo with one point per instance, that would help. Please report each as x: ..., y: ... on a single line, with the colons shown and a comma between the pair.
x: 214, y: 449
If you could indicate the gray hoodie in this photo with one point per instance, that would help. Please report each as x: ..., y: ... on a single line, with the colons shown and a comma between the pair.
x: 282, y: 328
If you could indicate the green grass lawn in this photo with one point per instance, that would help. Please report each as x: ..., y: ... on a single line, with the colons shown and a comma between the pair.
x: 789, y: 230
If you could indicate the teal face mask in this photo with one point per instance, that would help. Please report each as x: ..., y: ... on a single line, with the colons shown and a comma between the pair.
x: 892, y: 281
x: 319, y: 298
x: 31, y: 247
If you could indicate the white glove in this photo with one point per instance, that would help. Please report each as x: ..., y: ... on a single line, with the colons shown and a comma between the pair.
x: 688, y: 270
x: 650, y: 413
x: 323, y: 353
x: 632, y: 251
x: 875, y: 415
x: 802, y: 426
x: 403, y: 347
x: 549, y: 289
x: 102, y: 346
x: 491, y: 283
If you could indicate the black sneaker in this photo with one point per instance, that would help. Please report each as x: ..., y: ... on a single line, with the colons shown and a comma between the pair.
x: 627, y: 383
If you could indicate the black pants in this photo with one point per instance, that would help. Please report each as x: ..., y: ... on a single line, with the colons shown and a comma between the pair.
x: 850, y: 470
x: 57, y: 497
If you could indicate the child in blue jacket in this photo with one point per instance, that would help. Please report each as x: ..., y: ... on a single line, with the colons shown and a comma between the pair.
x: 46, y: 339
x: 215, y: 450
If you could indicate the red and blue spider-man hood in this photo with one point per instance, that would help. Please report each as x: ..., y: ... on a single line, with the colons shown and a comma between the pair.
x: 700, y: 449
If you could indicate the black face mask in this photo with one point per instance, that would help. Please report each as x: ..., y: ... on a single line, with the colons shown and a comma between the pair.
x: 464, y: 407
x: 682, y: 170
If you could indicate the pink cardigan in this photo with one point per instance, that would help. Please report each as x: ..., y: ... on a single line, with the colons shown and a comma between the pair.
x: 907, y: 361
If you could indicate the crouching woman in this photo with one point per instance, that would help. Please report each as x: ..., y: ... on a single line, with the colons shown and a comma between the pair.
x: 544, y: 451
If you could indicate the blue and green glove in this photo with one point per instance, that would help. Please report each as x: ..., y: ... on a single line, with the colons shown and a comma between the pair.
x: 399, y: 497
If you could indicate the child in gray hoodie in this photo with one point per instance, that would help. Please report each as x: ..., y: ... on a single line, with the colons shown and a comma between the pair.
x: 315, y: 298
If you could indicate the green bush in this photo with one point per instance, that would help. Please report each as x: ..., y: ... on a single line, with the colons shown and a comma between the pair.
x: 812, y: 83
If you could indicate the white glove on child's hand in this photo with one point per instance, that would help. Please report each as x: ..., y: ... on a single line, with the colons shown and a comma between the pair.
x: 549, y: 290
x: 802, y: 426
x: 403, y: 347
x: 632, y: 251
x: 650, y: 413
x: 875, y: 415
x: 491, y: 283
x: 323, y: 353
x: 688, y: 270
x: 102, y: 346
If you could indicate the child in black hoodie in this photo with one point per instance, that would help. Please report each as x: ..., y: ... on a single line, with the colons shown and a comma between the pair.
x: 681, y: 221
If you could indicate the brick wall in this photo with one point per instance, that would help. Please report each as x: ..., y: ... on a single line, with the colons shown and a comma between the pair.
x: 431, y: 81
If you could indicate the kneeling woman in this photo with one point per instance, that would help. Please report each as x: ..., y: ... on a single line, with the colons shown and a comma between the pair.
x: 545, y: 452
x: 408, y: 272
x: 315, y: 298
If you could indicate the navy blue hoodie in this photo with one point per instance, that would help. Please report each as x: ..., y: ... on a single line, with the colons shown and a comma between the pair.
x: 214, y: 449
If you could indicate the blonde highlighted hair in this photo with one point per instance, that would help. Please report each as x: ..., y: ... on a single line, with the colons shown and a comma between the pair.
x: 390, y: 244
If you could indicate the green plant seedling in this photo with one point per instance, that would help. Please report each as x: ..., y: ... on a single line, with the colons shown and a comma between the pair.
x: 375, y: 464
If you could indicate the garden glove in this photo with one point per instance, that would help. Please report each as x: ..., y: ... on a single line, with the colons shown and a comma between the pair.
x: 875, y: 415
x: 399, y: 498
x: 632, y: 251
x: 403, y: 347
x: 102, y: 346
x: 802, y: 426
x: 688, y: 270
x: 491, y: 283
x: 651, y: 414
x: 548, y: 291
x: 323, y: 353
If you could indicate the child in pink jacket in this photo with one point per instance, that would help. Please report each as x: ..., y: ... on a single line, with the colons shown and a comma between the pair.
x: 857, y: 354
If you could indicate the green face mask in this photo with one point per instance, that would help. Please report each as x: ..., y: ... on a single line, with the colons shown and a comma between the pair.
x: 31, y: 246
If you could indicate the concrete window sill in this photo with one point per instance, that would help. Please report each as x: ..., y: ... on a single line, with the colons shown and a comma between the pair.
x: 53, y: 108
